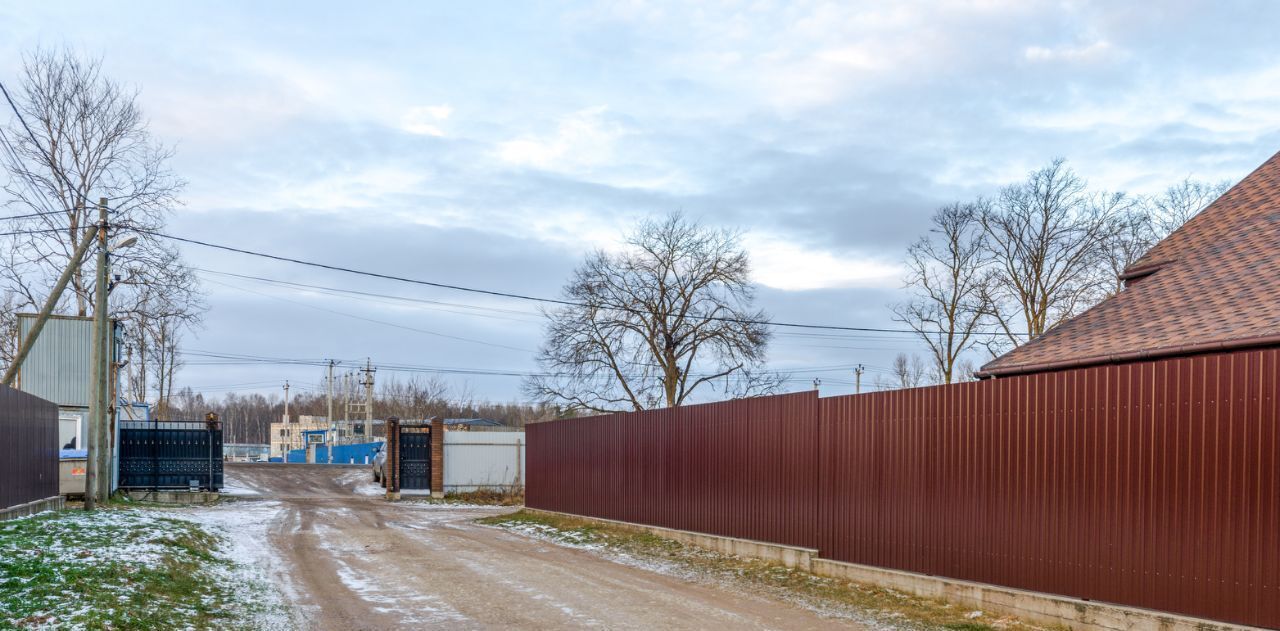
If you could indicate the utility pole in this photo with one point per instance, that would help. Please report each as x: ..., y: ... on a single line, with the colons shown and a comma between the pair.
x: 286, y: 400
x: 857, y: 379
x: 817, y: 381
x: 367, y: 382
x: 98, y: 356
x: 332, y: 422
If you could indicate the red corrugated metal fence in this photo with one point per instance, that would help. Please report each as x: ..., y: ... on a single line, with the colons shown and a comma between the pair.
x: 1154, y: 484
x: 740, y: 468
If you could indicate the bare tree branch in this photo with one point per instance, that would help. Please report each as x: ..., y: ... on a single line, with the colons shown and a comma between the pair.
x: 656, y: 323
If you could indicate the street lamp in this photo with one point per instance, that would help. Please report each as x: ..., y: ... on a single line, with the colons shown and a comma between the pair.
x: 126, y: 242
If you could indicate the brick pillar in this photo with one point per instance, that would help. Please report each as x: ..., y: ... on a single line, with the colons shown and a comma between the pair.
x: 391, y: 466
x: 437, y: 458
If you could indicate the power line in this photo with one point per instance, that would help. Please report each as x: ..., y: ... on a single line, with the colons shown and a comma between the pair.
x: 338, y: 291
x: 39, y: 214
x: 31, y: 231
x: 371, y: 320
x: 502, y: 294
x: 232, y: 359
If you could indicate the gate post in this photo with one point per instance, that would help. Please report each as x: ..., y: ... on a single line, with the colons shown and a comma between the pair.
x: 437, y: 457
x: 212, y: 427
x: 391, y: 466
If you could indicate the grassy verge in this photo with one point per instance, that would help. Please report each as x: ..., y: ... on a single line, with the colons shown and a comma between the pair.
x: 114, y: 569
x: 861, y: 602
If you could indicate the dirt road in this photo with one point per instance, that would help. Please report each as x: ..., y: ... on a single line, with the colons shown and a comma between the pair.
x: 352, y: 561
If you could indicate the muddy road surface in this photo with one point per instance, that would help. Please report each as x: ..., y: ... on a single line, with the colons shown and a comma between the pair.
x: 349, y: 560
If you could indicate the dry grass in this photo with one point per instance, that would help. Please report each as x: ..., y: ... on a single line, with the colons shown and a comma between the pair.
x: 488, y: 497
x: 838, y: 598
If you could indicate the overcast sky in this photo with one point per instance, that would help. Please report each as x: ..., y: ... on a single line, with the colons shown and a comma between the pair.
x: 494, y: 145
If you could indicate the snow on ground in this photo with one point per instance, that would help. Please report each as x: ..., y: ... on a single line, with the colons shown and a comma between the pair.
x: 232, y: 490
x: 567, y: 538
x: 413, y: 607
x: 244, y: 528
x: 361, y: 482
x: 120, y: 549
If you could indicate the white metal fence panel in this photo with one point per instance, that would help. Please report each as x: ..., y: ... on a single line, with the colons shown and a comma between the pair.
x: 483, y: 460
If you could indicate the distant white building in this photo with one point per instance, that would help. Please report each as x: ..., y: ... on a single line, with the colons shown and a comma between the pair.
x: 287, y: 434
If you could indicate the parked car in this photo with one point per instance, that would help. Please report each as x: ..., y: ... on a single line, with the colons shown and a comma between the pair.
x: 379, y: 460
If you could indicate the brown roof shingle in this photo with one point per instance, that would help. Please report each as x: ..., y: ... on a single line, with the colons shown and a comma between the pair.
x: 1212, y: 284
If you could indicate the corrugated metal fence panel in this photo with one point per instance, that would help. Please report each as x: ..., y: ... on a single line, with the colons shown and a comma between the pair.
x: 28, y: 448
x: 59, y: 365
x: 742, y: 468
x: 1154, y: 484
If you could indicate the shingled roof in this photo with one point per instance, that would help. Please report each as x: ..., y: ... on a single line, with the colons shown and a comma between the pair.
x: 1213, y: 284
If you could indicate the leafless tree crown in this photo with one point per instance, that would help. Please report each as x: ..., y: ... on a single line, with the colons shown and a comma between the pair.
x: 91, y: 141
x: 946, y: 276
x: 999, y: 273
x: 654, y: 323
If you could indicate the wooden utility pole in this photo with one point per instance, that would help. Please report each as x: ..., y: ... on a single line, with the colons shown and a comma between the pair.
x: 99, y: 359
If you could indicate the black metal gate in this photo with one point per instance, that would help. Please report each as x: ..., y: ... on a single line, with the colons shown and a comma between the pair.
x: 415, y: 459
x: 170, y: 455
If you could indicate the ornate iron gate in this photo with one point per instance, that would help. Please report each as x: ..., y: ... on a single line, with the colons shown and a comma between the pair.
x: 415, y: 458
x: 171, y: 454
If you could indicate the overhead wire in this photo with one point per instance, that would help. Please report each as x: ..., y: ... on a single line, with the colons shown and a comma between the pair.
x: 503, y: 294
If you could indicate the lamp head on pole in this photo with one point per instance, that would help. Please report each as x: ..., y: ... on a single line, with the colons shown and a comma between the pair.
x: 126, y: 242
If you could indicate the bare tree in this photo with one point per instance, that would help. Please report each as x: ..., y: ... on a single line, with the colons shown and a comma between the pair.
x: 1137, y: 224
x: 1129, y: 236
x: 90, y: 141
x: 909, y: 371
x: 1046, y: 237
x: 165, y: 302
x: 649, y: 326
x: 1182, y: 201
x: 946, y: 273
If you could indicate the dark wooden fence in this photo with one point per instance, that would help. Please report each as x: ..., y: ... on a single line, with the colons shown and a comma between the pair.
x: 28, y: 448
x: 1153, y: 484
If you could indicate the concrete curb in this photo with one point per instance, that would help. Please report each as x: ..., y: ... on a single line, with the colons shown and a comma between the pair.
x: 56, y: 502
x: 1034, y: 607
x: 789, y: 556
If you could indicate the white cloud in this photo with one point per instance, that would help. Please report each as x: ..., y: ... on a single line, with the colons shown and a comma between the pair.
x: 782, y: 263
x: 1096, y: 51
x: 424, y: 120
x: 582, y: 140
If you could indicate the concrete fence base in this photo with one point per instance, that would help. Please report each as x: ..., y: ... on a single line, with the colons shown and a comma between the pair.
x: 1034, y: 607
x: 30, y: 508
x: 172, y: 497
